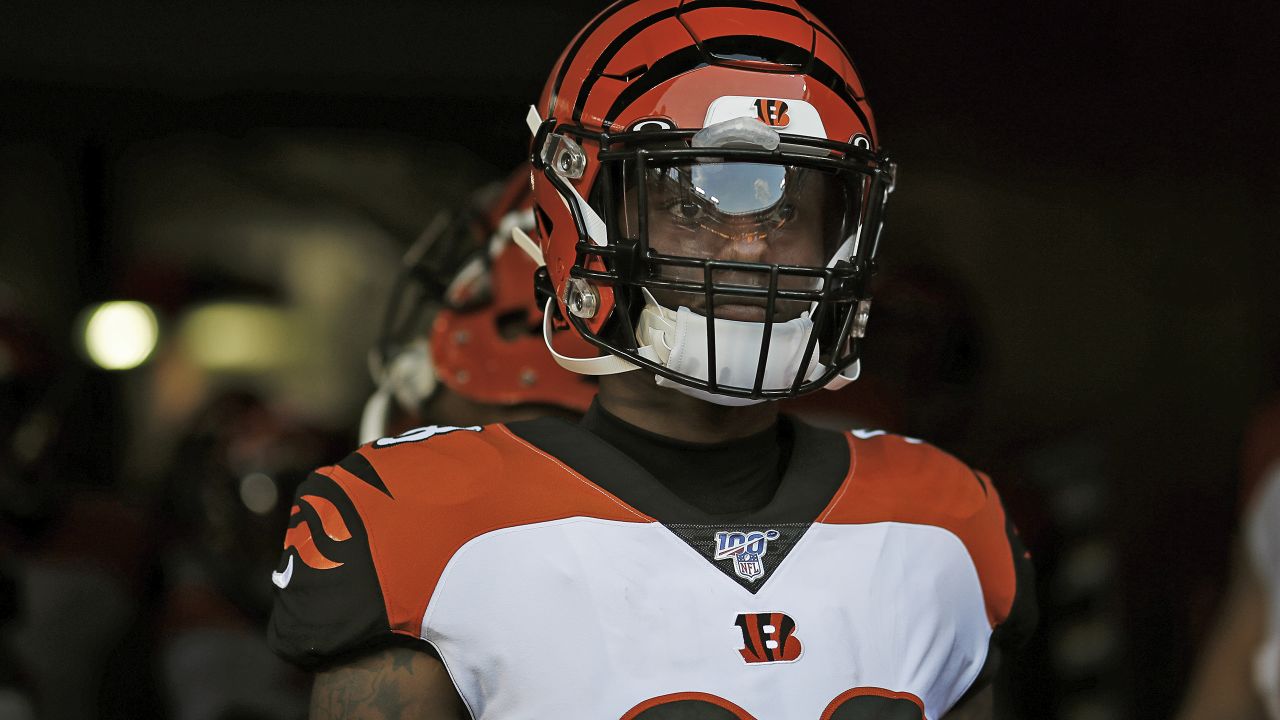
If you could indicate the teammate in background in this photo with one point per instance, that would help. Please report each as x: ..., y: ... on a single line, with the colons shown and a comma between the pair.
x: 1238, y: 675
x: 461, y: 341
x: 221, y: 493
x: 226, y: 493
x: 709, y: 195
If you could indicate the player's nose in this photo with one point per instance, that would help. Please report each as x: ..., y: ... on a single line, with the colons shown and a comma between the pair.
x: 745, y: 245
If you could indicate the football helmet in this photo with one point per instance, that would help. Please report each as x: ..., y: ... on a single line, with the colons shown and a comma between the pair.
x: 463, y: 315
x: 709, y: 195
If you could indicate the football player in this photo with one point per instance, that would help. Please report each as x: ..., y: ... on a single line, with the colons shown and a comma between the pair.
x: 461, y: 341
x: 709, y: 192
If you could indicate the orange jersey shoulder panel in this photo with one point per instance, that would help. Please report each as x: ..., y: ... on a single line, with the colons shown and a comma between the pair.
x: 897, y: 479
x: 446, y: 490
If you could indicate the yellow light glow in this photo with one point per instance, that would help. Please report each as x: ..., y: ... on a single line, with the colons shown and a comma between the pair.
x: 120, y: 335
x: 239, y: 337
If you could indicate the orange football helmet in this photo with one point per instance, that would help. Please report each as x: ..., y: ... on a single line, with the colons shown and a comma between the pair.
x: 709, y: 194
x: 484, y: 342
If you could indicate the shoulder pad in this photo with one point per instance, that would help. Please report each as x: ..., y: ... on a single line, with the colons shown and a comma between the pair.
x: 911, y: 471
x: 905, y: 480
x: 408, y: 504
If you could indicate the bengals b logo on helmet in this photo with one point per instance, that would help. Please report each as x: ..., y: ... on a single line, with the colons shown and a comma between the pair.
x: 772, y: 113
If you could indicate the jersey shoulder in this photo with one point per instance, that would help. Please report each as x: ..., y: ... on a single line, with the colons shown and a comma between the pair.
x: 369, y: 538
x: 472, y: 479
x: 906, y: 480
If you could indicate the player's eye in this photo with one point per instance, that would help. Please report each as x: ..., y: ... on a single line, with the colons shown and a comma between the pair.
x: 686, y: 212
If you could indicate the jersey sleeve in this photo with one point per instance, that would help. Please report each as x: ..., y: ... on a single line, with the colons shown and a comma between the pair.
x: 1014, y: 626
x: 369, y: 538
x: 328, y: 601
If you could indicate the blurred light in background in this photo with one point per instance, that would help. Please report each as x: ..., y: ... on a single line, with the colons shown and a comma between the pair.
x: 240, y: 337
x: 259, y: 493
x: 119, y: 335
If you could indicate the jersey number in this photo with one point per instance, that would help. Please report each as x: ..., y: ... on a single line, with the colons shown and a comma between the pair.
x: 855, y: 704
x: 420, y: 434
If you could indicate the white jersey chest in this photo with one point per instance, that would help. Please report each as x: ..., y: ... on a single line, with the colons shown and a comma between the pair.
x: 588, y: 618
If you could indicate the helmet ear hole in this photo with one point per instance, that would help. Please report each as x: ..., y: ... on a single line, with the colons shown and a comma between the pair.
x: 545, y: 226
x: 515, y: 324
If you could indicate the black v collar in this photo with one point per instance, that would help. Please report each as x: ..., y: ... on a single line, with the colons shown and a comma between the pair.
x: 726, y: 480
x: 817, y: 468
x: 818, y: 465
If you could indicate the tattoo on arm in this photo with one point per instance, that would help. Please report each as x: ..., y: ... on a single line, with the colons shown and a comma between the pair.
x: 394, y: 684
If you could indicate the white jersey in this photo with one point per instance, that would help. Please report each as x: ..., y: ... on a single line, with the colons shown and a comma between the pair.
x: 556, y: 579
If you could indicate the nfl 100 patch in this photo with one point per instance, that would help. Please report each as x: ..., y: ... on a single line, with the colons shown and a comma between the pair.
x: 747, y: 554
x: 746, y: 549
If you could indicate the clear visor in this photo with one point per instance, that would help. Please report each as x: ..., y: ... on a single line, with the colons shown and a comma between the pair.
x: 758, y: 213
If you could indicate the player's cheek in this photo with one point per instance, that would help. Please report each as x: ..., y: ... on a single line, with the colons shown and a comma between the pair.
x: 668, y: 237
x: 798, y: 243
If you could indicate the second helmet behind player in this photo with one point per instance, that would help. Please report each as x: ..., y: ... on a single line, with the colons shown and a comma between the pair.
x: 709, y: 193
x: 463, y: 319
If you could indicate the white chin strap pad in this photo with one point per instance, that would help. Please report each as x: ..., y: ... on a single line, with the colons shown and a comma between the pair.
x: 678, y: 340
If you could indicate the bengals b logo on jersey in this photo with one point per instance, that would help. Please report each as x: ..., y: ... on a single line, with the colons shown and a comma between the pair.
x: 768, y: 638
x: 772, y: 113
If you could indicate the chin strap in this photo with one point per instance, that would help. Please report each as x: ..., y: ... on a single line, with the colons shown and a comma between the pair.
x: 653, y: 323
x: 530, y: 248
x: 604, y: 365
x: 596, y: 229
x: 846, y: 376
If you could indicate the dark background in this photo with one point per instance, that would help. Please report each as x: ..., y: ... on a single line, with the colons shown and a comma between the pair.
x: 1101, y: 178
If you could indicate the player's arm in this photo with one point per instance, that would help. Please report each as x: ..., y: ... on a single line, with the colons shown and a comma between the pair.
x: 1222, y: 687
x: 330, y: 614
x: 975, y: 707
x: 393, y: 683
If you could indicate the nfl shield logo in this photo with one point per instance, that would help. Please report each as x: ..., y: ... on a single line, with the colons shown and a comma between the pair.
x: 747, y: 550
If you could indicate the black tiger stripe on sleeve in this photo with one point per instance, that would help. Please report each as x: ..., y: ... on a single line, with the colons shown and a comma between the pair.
x: 328, y: 603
